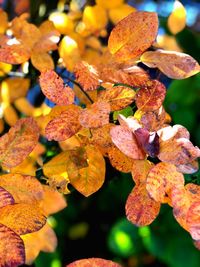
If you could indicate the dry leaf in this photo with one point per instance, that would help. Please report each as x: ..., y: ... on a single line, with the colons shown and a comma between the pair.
x: 93, y: 262
x: 193, y: 220
x: 5, y: 198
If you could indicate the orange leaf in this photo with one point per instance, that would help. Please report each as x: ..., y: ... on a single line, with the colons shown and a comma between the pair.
x: 42, y: 61
x: 4, y: 21
x: 96, y: 115
x: 5, y: 198
x: 119, y: 160
x: 14, y: 54
x: 175, y: 65
x: 125, y: 140
x: 65, y: 125
x: 118, y: 97
x: 22, y: 218
x: 53, y: 88
x: 193, y: 220
x: 24, y: 189
x: 18, y: 142
x: 52, y: 201
x: 189, y: 168
x: 140, y: 208
x: 193, y: 192
x: 93, y: 262
x: 89, y: 179
x: 140, y: 170
x: 161, y: 179
x: 86, y: 75
x: 133, y: 35
x: 151, y: 97
x: 12, y: 251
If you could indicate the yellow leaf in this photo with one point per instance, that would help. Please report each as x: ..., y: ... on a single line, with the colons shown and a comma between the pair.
x: 118, y: 13
x: 62, y: 22
x: 177, y: 19
x: 42, y: 61
x: 22, y: 218
x: 4, y: 21
x: 109, y: 4
x: 24, y: 106
x: 175, y: 65
x: 133, y: 35
x: 10, y: 115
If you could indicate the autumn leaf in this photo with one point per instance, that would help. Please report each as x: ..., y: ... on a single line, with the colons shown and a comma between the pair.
x: 141, y: 209
x: 42, y: 240
x: 177, y: 19
x: 150, y: 97
x: 65, y: 125
x: 161, y: 179
x: 119, y: 160
x: 96, y: 115
x: 42, y: 61
x: 175, y: 65
x: 14, y: 54
x: 4, y: 21
x: 12, y: 252
x: 133, y: 35
x: 86, y: 75
x: 22, y: 218
x: 93, y: 262
x: 16, y: 145
x: 23, y: 188
x: 140, y: 170
x: 5, y: 198
x: 193, y: 220
x: 125, y: 140
x: 53, y: 88
x: 118, y: 97
x: 89, y: 179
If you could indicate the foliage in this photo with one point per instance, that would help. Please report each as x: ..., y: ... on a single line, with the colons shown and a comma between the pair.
x: 108, y: 110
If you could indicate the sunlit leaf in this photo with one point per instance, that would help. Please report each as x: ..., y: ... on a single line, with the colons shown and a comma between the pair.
x: 42, y: 61
x: 86, y: 75
x: 18, y: 142
x: 14, y: 54
x: 93, y: 262
x: 5, y: 197
x: 118, y: 13
x: 53, y: 88
x: 118, y: 97
x: 12, y: 251
x: 65, y: 125
x: 140, y: 169
x: 193, y: 192
x: 140, y: 208
x: 173, y: 64
x: 10, y: 115
x: 22, y: 218
x: 4, y: 21
x: 161, y: 179
x: 151, y: 97
x: 42, y: 240
x: 125, y: 140
x: 23, y: 188
x: 177, y: 19
x: 62, y: 22
x: 89, y: 179
x: 96, y: 115
x: 133, y: 35
x: 109, y: 4
x: 189, y: 168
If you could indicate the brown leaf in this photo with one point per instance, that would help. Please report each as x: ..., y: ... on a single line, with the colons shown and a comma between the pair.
x: 140, y: 208
x: 150, y: 97
x: 133, y: 35
x: 193, y: 192
x: 23, y: 188
x: 161, y: 179
x: 93, y: 262
x: 125, y: 140
x: 18, y: 142
x: 22, y: 218
x: 87, y: 76
x: 88, y: 180
x: 118, y: 97
x: 65, y: 125
x: 53, y: 88
x: 175, y: 65
x: 12, y: 252
x: 96, y: 115
x: 5, y: 198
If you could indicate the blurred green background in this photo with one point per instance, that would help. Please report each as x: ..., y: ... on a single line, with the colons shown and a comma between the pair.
x: 96, y: 226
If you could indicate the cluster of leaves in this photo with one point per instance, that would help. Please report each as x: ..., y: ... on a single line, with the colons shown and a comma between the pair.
x: 120, y: 116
